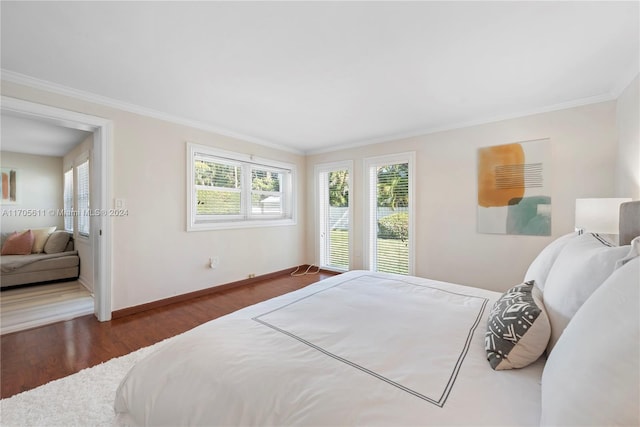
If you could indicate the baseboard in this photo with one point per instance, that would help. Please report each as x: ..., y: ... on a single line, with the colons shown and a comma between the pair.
x: 203, y: 292
x: 82, y: 280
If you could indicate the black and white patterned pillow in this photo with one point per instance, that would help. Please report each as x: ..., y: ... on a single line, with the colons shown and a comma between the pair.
x: 518, y: 328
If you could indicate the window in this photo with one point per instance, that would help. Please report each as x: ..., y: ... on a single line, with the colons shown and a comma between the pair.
x: 82, y: 194
x: 231, y: 190
x: 389, y: 240
x: 218, y: 187
x: 266, y: 192
x: 76, y: 197
x: 334, y: 215
x: 68, y: 200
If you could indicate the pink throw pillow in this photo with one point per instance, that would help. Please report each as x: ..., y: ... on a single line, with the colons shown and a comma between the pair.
x: 18, y: 244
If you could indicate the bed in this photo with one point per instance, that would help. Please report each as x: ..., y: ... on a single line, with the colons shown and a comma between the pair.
x: 366, y: 348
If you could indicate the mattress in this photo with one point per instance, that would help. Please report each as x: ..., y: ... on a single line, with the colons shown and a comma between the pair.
x: 360, y: 348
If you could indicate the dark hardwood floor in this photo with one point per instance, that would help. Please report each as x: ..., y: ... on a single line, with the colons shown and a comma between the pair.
x: 36, y: 356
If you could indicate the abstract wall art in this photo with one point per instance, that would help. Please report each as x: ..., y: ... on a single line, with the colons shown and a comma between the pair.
x: 514, y: 188
x: 9, y: 186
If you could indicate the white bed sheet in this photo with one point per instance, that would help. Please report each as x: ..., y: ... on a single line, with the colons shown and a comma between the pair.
x: 360, y: 348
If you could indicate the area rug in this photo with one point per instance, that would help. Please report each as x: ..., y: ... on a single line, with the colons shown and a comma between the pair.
x: 82, y: 399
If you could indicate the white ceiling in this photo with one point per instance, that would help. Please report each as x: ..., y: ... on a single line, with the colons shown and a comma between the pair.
x: 313, y: 76
x: 21, y: 134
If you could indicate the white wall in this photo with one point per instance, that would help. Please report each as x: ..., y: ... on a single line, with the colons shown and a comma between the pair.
x: 40, y: 186
x: 628, y: 124
x: 153, y: 256
x: 583, y: 144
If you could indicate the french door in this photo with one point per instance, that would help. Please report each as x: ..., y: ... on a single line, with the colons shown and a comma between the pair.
x: 390, y: 213
x: 334, y: 224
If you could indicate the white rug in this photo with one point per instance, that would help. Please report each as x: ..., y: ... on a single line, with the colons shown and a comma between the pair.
x: 82, y: 399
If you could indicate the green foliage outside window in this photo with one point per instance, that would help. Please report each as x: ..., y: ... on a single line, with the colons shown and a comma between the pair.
x: 393, y: 186
x: 394, y: 226
x: 393, y: 192
x: 339, y: 189
x: 262, y: 180
x: 217, y: 203
x: 217, y: 174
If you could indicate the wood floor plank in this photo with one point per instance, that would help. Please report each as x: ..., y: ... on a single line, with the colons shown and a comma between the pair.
x: 37, y: 356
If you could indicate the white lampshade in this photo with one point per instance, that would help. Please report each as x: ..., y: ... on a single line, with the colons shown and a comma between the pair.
x: 599, y: 215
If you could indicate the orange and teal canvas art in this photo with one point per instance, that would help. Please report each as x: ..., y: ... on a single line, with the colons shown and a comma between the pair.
x: 514, y: 189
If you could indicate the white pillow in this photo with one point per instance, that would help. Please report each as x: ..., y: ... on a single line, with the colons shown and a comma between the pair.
x: 591, y: 377
x: 634, y: 252
x: 539, y: 268
x: 582, y: 266
x: 40, y: 238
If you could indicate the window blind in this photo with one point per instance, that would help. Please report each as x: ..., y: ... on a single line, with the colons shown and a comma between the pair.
x: 68, y: 200
x: 267, y: 197
x: 218, y: 187
x: 389, y: 217
x: 83, y: 198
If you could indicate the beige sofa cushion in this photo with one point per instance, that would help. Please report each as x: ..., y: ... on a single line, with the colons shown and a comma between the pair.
x: 41, y: 236
x: 57, y: 242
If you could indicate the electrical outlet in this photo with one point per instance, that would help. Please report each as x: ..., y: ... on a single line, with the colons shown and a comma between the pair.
x: 251, y: 276
x: 214, y: 262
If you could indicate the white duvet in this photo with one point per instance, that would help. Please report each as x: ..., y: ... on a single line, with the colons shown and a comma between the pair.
x: 360, y: 348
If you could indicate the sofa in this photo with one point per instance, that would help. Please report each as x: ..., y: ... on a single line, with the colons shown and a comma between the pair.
x: 53, y: 258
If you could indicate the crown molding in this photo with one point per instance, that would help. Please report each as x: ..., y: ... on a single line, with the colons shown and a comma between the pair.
x: 35, y: 83
x: 627, y: 77
x: 460, y: 125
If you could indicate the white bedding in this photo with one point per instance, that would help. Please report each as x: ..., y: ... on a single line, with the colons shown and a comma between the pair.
x: 360, y: 348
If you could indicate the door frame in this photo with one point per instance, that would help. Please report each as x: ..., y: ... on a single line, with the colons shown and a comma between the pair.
x: 101, y: 174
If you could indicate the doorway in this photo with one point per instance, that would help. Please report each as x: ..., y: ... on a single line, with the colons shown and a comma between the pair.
x: 100, y: 174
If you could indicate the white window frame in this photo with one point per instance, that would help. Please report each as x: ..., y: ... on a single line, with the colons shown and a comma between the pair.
x: 320, y: 221
x: 371, y: 205
x: 245, y: 219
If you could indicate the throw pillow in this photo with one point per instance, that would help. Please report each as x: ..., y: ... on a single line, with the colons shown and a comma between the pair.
x: 518, y: 329
x: 18, y: 243
x: 57, y: 242
x: 581, y: 267
x: 591, y: 376
x: 40, y: 238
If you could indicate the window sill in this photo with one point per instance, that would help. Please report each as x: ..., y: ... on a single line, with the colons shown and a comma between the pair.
x: 211, y: 225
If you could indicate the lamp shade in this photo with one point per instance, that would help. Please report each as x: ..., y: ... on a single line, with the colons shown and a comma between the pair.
x: 599, y: 215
